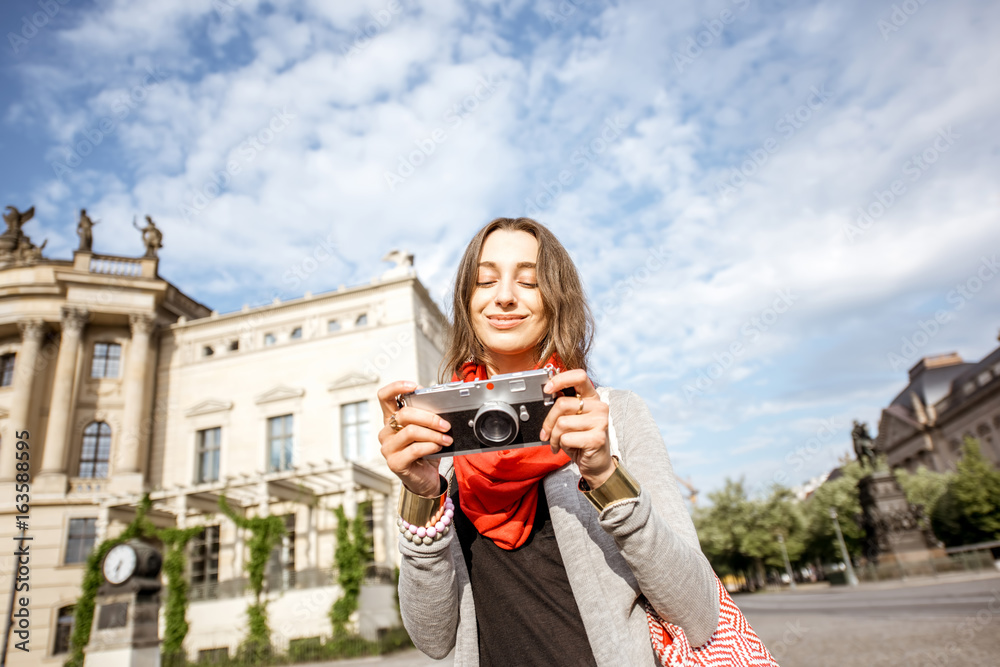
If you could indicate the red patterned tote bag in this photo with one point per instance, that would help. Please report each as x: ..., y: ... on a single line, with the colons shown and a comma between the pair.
x: 733, y: 644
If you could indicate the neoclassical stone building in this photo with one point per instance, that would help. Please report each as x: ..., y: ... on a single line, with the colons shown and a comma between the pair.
x: 946, y: 399
x: 126, y: 385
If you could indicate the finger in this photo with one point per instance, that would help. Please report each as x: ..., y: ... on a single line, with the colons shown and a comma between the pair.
x: 393, y: 442
x: 400, y: 462
x: 576, y: 378
x: 410, y: 415
x: 564, y: 406
x: 387, y: 395
x: 567, y: 424
x: 577, y: 443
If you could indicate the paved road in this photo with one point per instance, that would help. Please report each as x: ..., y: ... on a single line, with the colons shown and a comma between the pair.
x: 933, y: 623
x: 942, y: 599
x: 951, y: 623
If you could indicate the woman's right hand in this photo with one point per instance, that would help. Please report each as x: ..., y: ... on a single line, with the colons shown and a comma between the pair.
x: 423, y: 433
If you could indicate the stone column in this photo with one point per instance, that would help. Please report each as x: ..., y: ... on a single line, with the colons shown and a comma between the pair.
x: 102, y: 524
x: 313, y: 542
x: 380, y: 533
x: 52, y: 478
x: 237, y: 552
x: 132, y: 440
x: 32, y: 333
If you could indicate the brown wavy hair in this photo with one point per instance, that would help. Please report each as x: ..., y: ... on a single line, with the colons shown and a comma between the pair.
x: 571, y: 323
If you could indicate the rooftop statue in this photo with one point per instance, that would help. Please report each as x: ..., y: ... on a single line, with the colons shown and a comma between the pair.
x: 151, y: 236
x: 84, y: 229
x: 15, y: 220
x: 15, y: 245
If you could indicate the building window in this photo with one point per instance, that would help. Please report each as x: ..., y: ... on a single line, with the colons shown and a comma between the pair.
x: 107, y: 359
x: 234, y: 345
x: 208, y: 444
x: 367, y: 512
x: 96, y: 451
x: 279, y: 434
x: 269, y: 339
x: 204, y: 556
x: 6, y: 370
x: 362, y: 320
x: 281, y: 565
x: 332, y: 325
x: 207, y: 351
x: 64, y: 629
x: 297, y: 332
x: 354, y: 427
x: 80, y: 540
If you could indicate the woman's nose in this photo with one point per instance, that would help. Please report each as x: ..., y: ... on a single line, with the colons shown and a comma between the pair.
x: 505, y: 293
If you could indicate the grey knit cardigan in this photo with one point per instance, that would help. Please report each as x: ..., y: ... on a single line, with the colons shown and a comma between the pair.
x: 647, y: 545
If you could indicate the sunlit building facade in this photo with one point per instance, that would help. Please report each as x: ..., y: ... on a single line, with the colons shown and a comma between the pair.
x: 126, y: 385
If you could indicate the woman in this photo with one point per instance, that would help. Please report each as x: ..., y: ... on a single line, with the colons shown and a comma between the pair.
x: 553, y: 546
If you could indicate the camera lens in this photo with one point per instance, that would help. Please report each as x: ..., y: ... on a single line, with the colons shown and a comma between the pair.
x: 495, y: 424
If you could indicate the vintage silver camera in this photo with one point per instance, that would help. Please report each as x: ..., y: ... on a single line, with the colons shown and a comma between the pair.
x: 502, y: 412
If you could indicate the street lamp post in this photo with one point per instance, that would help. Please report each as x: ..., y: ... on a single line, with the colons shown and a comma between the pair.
x: 851, y: 578
x: 788, y: 566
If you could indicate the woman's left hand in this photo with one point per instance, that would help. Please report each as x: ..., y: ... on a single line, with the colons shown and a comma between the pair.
x: 579, y: 426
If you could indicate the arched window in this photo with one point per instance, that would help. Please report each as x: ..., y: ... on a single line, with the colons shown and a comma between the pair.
x: 96, y: 450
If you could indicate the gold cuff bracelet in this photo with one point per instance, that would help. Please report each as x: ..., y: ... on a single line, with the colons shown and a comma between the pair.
x: 417, y: 509
x: 620, y: 486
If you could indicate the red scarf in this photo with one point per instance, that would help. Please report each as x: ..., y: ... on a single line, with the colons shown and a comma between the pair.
x: 498, y: 491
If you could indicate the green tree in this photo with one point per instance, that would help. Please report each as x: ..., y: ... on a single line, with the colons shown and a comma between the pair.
x: 842, y: 495
x: 969, y: 510
x: 722, y: 528
x: 924, y: 487
x: 739, y: 535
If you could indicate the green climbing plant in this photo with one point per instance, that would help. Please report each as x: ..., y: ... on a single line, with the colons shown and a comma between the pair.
x: 350, y: 557
x: 265, y: 533
x: 175, y: 542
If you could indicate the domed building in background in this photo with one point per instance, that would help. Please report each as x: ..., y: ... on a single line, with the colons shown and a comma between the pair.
x: 946, y: 399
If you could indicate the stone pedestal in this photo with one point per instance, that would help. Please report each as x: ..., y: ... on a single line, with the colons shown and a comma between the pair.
x: 125, y: 630
x: 896, y: 531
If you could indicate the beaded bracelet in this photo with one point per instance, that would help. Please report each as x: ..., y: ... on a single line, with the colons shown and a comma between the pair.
x: 436, y: 528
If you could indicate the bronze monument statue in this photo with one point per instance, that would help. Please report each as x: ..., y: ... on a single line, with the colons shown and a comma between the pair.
x: 151, y: 236
x: 84, y: 229
x: 864, y: 447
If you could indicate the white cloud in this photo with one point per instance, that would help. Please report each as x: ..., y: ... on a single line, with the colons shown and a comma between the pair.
x: 361, y: 103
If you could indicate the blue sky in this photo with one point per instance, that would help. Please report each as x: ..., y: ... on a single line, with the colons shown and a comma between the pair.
x: 766, y: 199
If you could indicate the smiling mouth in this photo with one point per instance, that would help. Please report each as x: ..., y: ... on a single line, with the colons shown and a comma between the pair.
x: 505, y: 321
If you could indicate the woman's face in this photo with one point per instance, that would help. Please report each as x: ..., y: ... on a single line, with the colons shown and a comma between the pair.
x: 507, y: 313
